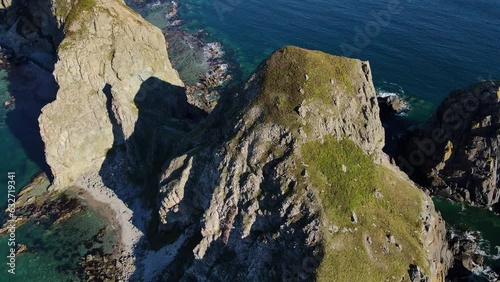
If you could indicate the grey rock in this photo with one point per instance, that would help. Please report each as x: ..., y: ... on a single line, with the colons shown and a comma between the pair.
x: 461, y: 147
x: 378, y: 195
x: 334, y: 229
x: 391, y: 105
x: 391, y: 239
x: 417, y: 275
x: 354, y: 217
x: 369, y: 240
x: 399, y: 247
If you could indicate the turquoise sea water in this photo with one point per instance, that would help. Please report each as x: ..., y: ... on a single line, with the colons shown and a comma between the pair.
x: 54, y: 253
x: 487, y: 223
x: 13, y: 155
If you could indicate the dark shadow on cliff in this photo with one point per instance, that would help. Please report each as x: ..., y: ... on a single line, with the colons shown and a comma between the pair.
x: 33, y: 55
x: 157, y: 141
x: 32, y: 89
x: 132, y: 167
x: 220, y: 257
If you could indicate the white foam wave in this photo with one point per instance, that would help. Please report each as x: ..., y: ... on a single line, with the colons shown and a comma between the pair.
x: 384, y: 94
x: 497, y: 256
x: 485, y: 272
x: 390, y: 89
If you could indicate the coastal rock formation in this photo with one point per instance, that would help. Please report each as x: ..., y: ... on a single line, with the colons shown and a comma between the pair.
x: 290, y: 161
x: 466, y: 253
x: 107, y: 54
x: 457, y: 154
x: 391, y: 105
x: 33, y: 29
x: 284, y: 181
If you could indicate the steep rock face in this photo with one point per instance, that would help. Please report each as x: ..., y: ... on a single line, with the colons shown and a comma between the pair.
x: 287, y: 188
x: 107, y: 55
x: 457, y: 154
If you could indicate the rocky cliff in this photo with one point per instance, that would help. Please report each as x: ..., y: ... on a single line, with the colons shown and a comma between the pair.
x: 293, y: 186
x: 286, y: 180
x: 106, y: 54
x: 457, y: 153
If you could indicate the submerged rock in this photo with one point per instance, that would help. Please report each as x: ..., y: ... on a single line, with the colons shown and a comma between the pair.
x: 21, y: 248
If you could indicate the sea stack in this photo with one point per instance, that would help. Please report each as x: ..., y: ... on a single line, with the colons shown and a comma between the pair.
x: 274, y: 193
x: 107, y: 54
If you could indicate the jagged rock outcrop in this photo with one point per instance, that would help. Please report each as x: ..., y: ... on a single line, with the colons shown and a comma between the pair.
x: 107, y: 54
x: 466, y: 252
x: 457, y: 153
x: 33, y: 29
x: 273, y: 179
x: 391, y: 105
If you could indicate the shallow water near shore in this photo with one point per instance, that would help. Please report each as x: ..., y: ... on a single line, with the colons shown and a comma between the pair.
x: 14, y: 158
x: 53, y: 251
x: 54, y: 254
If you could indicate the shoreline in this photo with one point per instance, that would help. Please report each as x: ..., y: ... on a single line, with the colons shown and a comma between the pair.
x: 120, y: 212
x: 203, y: 64
x: 117, y: 259
x: 103, y: 209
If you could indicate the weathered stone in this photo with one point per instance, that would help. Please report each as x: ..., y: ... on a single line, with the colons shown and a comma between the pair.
x: 369, y: 240
x: 354, y: 218
x: 378, y: 195
x: 460, y: 147
x: 391, y: 239
x: 106, y: 56
x: 243, y: 187
x: 392, y: 104
x: 416, y: 275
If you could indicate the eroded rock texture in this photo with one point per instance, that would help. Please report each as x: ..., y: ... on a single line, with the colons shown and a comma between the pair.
x: 259, y: 205
x: 457, y: 153
x: 107, y: 55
